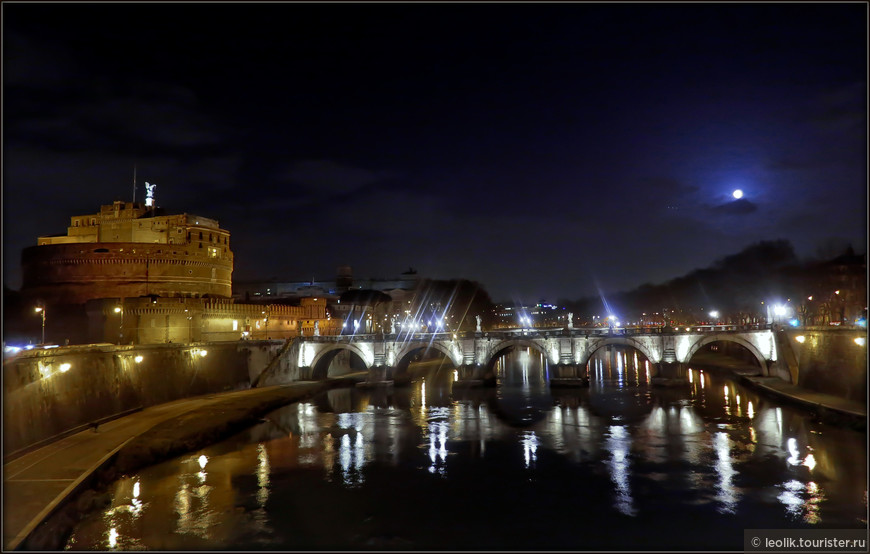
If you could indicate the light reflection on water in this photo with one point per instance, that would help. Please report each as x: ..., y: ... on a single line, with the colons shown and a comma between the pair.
x: 610, y: 466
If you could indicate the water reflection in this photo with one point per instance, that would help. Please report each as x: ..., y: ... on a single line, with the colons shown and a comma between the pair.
x: 619, y: 445
x: 638, y: 457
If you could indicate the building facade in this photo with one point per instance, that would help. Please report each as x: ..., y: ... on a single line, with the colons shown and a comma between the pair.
x: 134, y: 274
x: 182, y: 320
x: 129, y: 250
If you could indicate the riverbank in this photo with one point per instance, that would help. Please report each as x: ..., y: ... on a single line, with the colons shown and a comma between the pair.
x: 55, y: 485
x: 828, y: 408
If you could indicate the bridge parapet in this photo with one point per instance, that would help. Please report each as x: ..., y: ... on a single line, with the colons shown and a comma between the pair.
x: 567, y: 347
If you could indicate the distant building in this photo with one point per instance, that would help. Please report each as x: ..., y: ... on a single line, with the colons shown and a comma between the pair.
x: 541, y: 314
x: 397, y: 286
x: 129, y: 250
x: 835, y: 292
x: 135, y: 274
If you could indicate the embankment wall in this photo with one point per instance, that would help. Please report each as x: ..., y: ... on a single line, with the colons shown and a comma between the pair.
x: 49, y: 392
x: 831, y: 361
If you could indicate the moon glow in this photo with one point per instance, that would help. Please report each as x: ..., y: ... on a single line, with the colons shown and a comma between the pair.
x: 737, y: 194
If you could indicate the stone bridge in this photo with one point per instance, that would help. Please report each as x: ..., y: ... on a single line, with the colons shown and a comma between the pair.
x: 386, y: 357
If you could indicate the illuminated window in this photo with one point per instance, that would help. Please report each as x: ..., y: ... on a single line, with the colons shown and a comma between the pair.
x: 235, y: 325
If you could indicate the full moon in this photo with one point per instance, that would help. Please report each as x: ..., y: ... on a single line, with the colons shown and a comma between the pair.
x: 738, y: 194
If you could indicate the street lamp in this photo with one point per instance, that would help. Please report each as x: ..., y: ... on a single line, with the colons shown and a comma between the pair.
x: 119, y: 310
x: 41, y: 310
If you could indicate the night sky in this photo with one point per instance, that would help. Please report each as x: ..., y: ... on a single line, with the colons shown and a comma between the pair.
x: 546, y: 150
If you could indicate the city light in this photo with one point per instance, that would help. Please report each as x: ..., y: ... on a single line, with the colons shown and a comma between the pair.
x: 860, y: 341
x: 800, y: 338
x: 41, y: 310
x: 714, y: 314
x: 64, y: 367
x: 119, y: 310
x: 138, y: 359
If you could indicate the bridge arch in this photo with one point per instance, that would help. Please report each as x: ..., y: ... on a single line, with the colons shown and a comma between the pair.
x: 621, y: 341
x: 507, y: 344
x: 404, y: 354
x: 704, y: 341
x: 321, y: 361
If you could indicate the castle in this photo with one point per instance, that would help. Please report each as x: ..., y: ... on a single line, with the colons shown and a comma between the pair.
x: 133, y: 273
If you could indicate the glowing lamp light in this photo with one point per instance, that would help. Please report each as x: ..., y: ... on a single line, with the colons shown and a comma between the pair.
x: 65, y: 367
x: 138, y: 359
x: 860, y: 341
x: 794, y: 322
x: 714, y: 314
x: 202, y: 461
x: 202, y: 353
x: 800, y: 338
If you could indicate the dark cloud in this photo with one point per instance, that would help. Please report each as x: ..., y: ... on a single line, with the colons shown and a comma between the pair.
x: 742, y: 206
x: 328, y: 177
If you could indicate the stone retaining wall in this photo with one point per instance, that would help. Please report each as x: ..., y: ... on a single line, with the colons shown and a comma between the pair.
x: 47, y: 392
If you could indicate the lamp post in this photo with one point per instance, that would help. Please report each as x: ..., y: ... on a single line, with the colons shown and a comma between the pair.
x: 119, y: 310
x: 41, y: 310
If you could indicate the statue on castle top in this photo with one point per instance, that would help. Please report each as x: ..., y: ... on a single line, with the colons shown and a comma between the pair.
x: 477, y: 317
x: 316, y: 328
x: 570, y: 320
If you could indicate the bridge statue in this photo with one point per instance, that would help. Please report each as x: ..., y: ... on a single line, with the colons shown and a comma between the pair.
x: 477, y: 317
x: 393, y: 325
x: 570, y: 320
x: 316, y: 328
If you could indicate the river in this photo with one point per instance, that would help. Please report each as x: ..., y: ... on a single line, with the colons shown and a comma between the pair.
x: 619, y: 465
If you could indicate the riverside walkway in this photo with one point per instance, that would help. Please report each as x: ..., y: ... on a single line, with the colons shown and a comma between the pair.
x: 809, y: 399
x: 39, y: 484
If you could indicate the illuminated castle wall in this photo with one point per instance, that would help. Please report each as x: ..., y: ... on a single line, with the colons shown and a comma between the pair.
x: 132, y: 274
x: 130, y: 250
x: 185, y: 320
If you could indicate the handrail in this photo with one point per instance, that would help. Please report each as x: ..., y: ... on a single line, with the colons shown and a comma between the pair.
x: 539, y: 333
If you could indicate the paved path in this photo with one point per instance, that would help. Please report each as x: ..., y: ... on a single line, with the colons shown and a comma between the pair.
x: 810, y: 398
x: 39, y: 481
x: 775, y: 385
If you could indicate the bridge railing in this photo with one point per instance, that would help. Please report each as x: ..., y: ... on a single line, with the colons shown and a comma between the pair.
x: 540, y: 333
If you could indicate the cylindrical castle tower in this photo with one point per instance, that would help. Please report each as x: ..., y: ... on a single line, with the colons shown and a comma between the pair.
x: 128, y: 250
